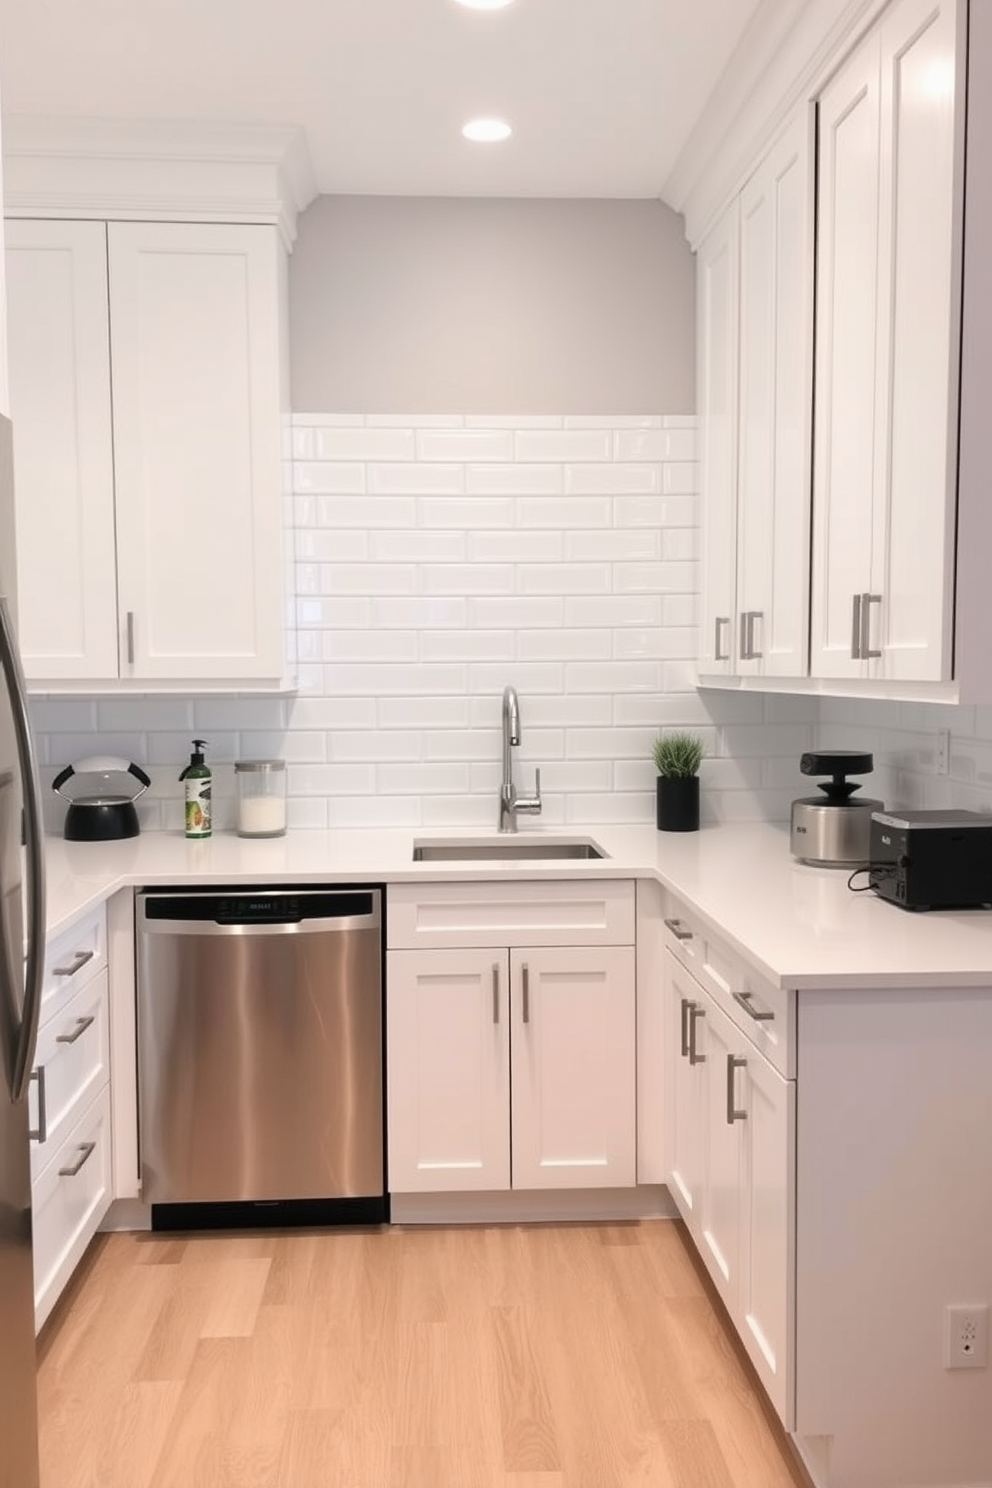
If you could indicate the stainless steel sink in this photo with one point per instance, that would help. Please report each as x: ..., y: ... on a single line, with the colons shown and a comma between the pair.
x: 509, y: 849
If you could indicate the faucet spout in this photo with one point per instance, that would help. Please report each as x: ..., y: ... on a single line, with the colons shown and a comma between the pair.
x: 509, y: 802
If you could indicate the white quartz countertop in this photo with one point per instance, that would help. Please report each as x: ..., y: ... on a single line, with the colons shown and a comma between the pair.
x: 800, y: 926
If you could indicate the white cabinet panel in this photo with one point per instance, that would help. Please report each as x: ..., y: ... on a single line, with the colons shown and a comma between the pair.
x: 195, y: 351
x: 58, y: 338
x: 886, y: 361
x: 448, y: 1064
x: 69, y: 1201
x: 717, y: 325
x: 684, y: 1091
x: 574, y: 1081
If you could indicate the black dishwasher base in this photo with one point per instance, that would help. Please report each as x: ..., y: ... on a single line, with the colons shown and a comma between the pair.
x: 276, y: 1214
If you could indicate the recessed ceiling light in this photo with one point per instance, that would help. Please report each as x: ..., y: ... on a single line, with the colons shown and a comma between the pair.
x: 486, y: 131
x: 485, y: 4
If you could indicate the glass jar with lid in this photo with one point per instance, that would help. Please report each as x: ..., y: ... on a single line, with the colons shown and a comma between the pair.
x: 261, y: 797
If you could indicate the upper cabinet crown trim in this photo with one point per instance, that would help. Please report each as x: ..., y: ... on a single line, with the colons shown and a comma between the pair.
x: 146, y: 170
x: 786, y: 54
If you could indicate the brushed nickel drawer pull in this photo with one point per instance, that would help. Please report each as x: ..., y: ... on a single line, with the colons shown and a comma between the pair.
x: 856, y: 632
x: 77, y: 963
x: 743, y: 999
x: 678, y: 930
x: 733, y: 1063
x: 81, y: 1026
x: 40, y: 1132
x: 525, y: 973
x: 86, y: 1151
x: 495, y: 991
x: 695, y: 1011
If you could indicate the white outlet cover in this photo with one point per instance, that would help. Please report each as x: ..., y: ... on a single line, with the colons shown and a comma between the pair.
x: 966, y: 1336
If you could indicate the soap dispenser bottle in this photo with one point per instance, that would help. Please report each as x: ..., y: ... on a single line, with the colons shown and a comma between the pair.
x: 197, y: 778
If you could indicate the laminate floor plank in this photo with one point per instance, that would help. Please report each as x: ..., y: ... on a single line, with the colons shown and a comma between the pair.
x: 572, y: 1356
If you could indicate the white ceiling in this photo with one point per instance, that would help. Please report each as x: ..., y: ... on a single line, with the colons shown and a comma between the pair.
x: 601, y: 93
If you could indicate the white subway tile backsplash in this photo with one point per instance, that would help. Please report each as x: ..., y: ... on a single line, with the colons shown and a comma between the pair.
x: 525, y: 480
x: 365, y: 444
x: 563, y: 578
x: 576, y: 445
x: 612, y: 480
x: 428, y: 613
x: 476, y: 512
x: 417, y: 480
x: 419, y: 547
x: 516, y: 547
x: 321, y: 478
x: 465, y: 445
x: 635, y: 544
x: 440, y: 558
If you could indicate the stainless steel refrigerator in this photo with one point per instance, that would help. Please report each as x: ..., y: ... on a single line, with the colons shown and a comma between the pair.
x: 22, y: 938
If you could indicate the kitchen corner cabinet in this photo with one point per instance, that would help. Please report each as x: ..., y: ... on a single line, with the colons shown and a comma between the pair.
x: 510, y: 1065
x: 885, y: 435
x: 730, y: 1125
x: 754, y: 298
x: 147, y: 387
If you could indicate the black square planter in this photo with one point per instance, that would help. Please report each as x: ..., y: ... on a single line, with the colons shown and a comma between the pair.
x: 678, y: 804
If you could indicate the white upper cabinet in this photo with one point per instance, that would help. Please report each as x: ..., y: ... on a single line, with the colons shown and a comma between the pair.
x: 58, y: 338
x: 146, y: 370
x: 754, y: 298
x: 887, y: 328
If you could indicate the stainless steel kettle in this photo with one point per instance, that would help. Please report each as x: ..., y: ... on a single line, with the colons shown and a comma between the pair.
x: 101, y: 803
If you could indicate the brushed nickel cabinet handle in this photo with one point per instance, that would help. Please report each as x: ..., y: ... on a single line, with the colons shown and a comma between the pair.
x: 130, y: 637
x: 733, y: 1114
x: 856, y: 629
x: 695, y: 1012
x: 495, y: 991
x: 77, y: 963
x: 752, y: 616
x: 525, y: 977
x: 81, y: 1026
x: 743, y: 999
x: 686, y: 1005
x: 678, y: 930
x: 867, y: 600
x: 40, y: 1132
x: 86, y: 1151
x: 718, y: 653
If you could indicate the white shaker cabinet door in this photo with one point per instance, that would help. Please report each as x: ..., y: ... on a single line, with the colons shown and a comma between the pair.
x: 918, y: 338
x: 574, y: 1077
x: 59, y: 360
x: 776, y: 322
x: 845, y: 406
x: 684, y: 1091
x: 196, y: 355
x: 716, y: 398
x: 448, y: 1070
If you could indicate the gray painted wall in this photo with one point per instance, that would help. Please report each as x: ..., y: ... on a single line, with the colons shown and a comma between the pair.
x: 440, y: 304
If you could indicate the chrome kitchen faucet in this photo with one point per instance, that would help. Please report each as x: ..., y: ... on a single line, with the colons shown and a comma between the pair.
x: 509, y: 802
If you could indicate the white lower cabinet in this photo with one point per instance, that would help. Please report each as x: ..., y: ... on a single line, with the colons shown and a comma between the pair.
x: 510, y: 1066
x: 70, y: 1107
x: 730, y: 1122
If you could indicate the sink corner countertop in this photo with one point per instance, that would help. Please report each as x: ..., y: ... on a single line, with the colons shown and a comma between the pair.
x: 798, y: 925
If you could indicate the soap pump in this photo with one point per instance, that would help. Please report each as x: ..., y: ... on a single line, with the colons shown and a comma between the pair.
x: 198, y: 793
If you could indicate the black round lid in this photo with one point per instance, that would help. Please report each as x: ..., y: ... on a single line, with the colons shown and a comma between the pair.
x: 838, y: 763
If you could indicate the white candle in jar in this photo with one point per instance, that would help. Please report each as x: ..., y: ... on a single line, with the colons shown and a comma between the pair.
x: 261, y: 816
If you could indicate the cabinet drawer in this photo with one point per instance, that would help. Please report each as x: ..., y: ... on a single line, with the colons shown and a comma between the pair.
x: 597, y: 912
x: 72, y: 959
x: 763, y: 1012
x: 72, y: 1063
x: 70, y: 1199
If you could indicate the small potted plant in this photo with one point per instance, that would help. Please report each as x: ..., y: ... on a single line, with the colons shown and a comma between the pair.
x: 677, y: 757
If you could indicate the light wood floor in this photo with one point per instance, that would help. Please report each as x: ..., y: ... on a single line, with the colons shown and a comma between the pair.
x: 539, y: 1357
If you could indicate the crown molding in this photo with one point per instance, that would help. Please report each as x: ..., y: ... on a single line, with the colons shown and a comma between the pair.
x: 787, y: 52
x: 150, y: 169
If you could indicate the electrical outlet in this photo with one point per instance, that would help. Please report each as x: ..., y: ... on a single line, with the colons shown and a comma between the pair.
x: 967, y: 1337
x: 943, y: 751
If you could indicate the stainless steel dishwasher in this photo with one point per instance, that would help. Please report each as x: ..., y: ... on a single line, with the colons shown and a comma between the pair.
x: 260, y: 1051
